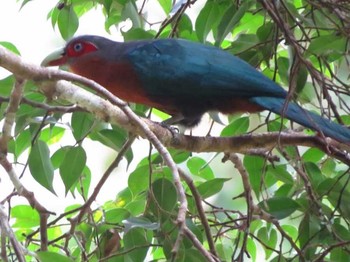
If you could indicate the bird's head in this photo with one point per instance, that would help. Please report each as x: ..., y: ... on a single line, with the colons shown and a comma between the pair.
x: 81, y: 47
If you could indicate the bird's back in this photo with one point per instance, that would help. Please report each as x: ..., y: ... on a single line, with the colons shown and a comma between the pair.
x: 185, y: 69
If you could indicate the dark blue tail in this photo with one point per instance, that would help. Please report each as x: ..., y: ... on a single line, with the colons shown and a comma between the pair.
x: 304, y: 117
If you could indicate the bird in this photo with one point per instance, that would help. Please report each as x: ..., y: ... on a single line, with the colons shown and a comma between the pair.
x: 184, y: 79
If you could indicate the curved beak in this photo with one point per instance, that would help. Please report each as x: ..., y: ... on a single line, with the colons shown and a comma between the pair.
x: 56, y: 58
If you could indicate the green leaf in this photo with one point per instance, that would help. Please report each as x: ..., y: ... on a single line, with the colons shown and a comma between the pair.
x: 327, y: 44
x: 185, y: 26
x: 137, y: 34
x: 251, y: 248
x: 166, y: 5
x: 266, y: 32
x: 243, y: 43
x: 112, y: 138
x: 24, y: 2
x: 279, y: 258
x: 81, y: 124
x: 309, y: 229
x: 237, y: 127
x: 136, y: 207
x: 179, y: 156
x: 313, y: 155
x: 269, y: 238
x: 139, y: 222
x: 46, y: 256
x: 328, y: 167
x: 122, y: 199
x: 40, y: 165
x: 130, y: 12
x: 196, y: 229
x: 229, y: 20
x: 134, y: 239
x: 138, y: 180
x: 194, y: 255
x: 164, y: 198
x: 116, y: 215
x: 72, y: 166
x: 283, y: 69
x: 23, y: 142
x: 68, y: 22
x: 52, y: 135
x: 111, y: 20
x: 292, y: 231
x: 314, y: 173
x: 302, y: 76
x: 337, y: 192
x: 341, y: 231
x: 280, y: 172
x: 6, y: 85
x: 211, y: 187
x: 58, y: 157
x: 339, y: 254
x: 82, y: 6
x: 10, y: 47
x: 206, y: 20
x: 53, y: 14
x: 254, y: 166
x: 75, y: 207
x: 285, y: 190
x: 84, y: 183
x: 199, y: 167
x: 25, y: 216
x: 279, y: 207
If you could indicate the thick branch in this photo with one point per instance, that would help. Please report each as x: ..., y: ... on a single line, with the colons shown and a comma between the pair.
x: 6, y: 228
x: 104, y: 110
x: 240, y: 144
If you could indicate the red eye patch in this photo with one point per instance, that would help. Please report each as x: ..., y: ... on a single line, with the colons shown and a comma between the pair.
x: 80, y: 48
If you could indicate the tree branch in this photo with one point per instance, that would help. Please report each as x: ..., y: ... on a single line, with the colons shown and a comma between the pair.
x: 105, y: 111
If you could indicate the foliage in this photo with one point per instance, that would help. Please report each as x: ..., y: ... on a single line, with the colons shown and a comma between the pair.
x: 299, y: 207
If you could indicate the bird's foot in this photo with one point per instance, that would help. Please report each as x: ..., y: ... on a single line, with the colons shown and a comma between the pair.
x: 173, y: 130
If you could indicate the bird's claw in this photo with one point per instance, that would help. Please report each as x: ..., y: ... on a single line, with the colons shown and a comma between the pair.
x: 173, y: 130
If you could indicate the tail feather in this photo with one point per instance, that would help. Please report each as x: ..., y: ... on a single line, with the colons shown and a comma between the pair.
x: 304, y: 117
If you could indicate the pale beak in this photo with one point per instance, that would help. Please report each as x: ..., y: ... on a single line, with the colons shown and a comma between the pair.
x: 56, y: 58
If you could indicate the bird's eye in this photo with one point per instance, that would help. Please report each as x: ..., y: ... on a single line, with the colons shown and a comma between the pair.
x: 78, y: 47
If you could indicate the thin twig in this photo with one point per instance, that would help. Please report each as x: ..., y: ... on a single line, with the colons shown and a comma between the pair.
x: 200, y: 209
x: 249, y: 198
x: 104, y: 178
x: 199, y: 245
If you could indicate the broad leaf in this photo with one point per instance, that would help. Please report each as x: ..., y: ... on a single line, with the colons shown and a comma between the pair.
x: 163, y: 198
x: 237, y: 127
x: 139, y: 222
x: 206, y: 20
x: 82, y: 123
x: 135, y: 240
x: 46, y: 256
x: 229, y: 20
x: 116, y: 215
x: 200, y: 167
x: 279, y: 207
x: 72, y: 166
x: 67, y: 22
x: 211, y: 187
x: 40, y: 164
x: 25, y: 216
